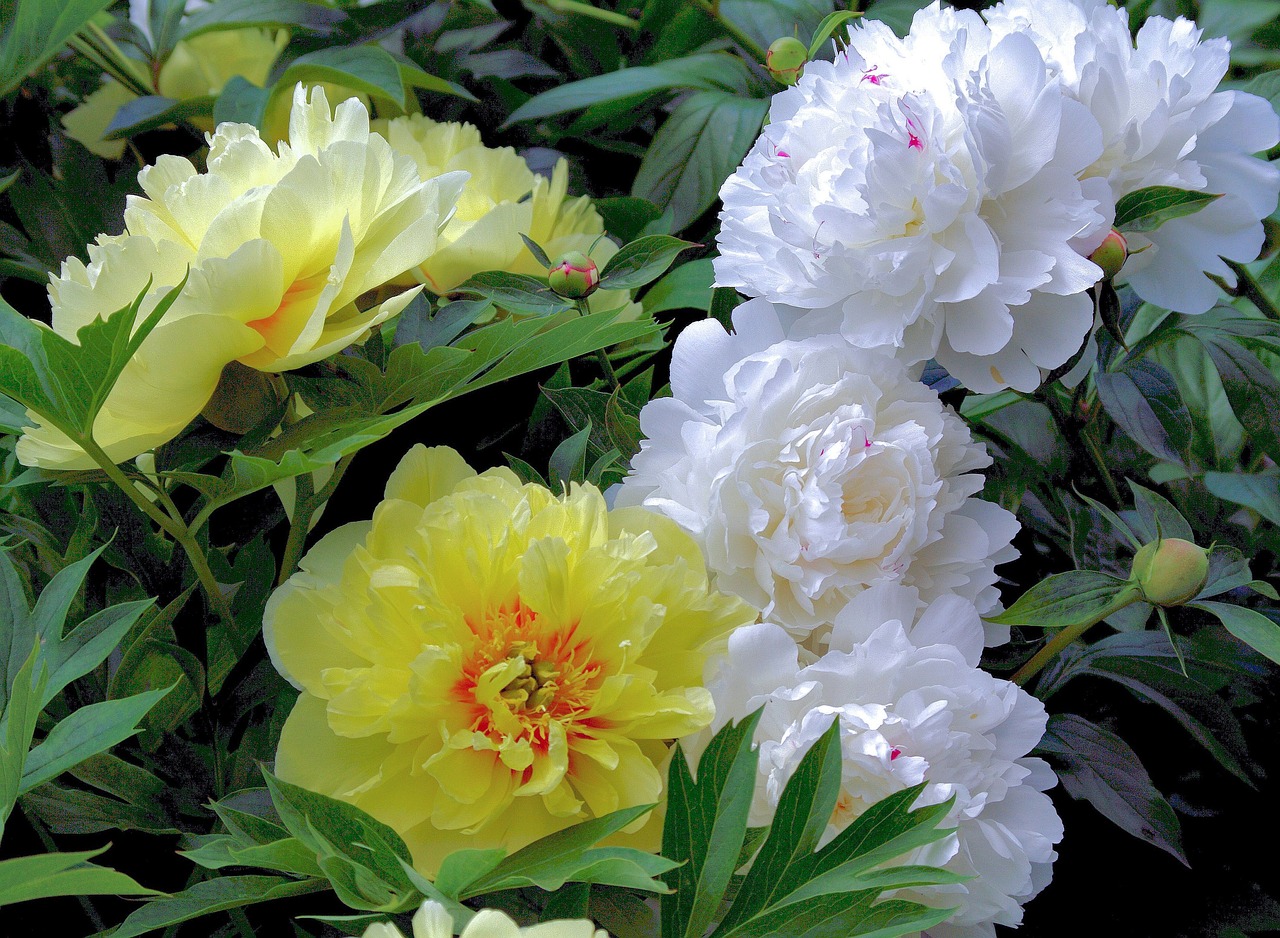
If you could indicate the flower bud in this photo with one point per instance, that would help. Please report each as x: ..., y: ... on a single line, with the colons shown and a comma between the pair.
x: 574, y: 276
x: 1111, y: 254
x: 786, y: 59
x: 1171, y: 571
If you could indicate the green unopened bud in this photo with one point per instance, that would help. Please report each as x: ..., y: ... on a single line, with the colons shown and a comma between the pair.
x: 1111, y: 254
x: 1171, y: 571
x: 243, y: 397
x: 574, y: 276
x: 786, y: 60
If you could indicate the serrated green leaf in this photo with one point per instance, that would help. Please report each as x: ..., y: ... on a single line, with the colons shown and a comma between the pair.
x: 1147, y: 209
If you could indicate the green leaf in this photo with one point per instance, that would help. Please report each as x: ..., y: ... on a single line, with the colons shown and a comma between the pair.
x: 706, y: 825
x: 1248, y: 625
x: 705, y: 71
x: 829, y: 24
x: 359, y: 854
x: 689, y: 286
x: 803, y: 812
x: 242, y: 102
x: 568, y: 462
x: 152, y: 111
x: 516, y: 293
x: 463, y: 867
x: 1097, y: 766
x: 896, y: 14
x: 1253, y: 391
x: 1266, y: 85
x: 1145, y: 403
x: 1157, y: 517
x: 1147, y: 209
x: 283, y: 856
x: 38, y: 30
x: 214, y: 895
x: 697, y: 147
x: 569, y: 854
x: 267, y: 14
x: 86, y: 732
x: 48, y: 875
x: 848, y: 914
x: 1258, y: 490
x: 1067, y: 599
x: 18, y: 726
x: 370, y: 70
x: 641, y: 262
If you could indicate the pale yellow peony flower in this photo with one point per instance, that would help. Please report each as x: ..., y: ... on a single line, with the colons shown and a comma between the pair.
x: 503, y: 200
x: 197, y: 67
x: 486, y: 663
x: 432, y: 921
x: 279, y: 246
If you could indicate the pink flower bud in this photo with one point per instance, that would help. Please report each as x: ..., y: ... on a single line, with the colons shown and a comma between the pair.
x: 574, y: 276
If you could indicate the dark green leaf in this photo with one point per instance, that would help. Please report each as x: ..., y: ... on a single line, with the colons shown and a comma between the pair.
x: 152, y: 111
x: 1248, y: 625
x: 215, y: 895
x: 697, y: 147
x: 1258, y: 490
x: 689, y: 286
x: 568, y: 462
x: 1157, y: 517
x: 1147, y: 209
x: 1096, y: 765
x: 1145, y: 403
x: 242, y: 102
x: 516, y: 293
x: 1253, y: 391
x: 48, y: 875
x: 829, y: 24
x: 236, y: 14
x: 38, y: 30
x: 369, y: 70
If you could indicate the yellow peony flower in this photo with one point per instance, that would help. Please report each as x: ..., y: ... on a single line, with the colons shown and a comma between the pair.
x: 486, y: 663
x: 279, y: 246
x: 432, y: 921
x: 503, y: 200
x: 197, y: 67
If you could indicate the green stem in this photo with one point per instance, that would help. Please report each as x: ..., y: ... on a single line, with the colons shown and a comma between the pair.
x: 1252, y: 290
x: 713, y: 10
x: 1095, y: 453
x: 1070, y: 634
x: 586, y: 9
x: 601, y: 356
x: 174, y: 528
x: 50, y: 847
x: 306, y: 504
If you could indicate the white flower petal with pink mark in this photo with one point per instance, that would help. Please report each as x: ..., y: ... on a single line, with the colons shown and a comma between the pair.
x: 912, y: 707
x: 921, y: 194
x: 1164, y: 123
x: 808, y: 470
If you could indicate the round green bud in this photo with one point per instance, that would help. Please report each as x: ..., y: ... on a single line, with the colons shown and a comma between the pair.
x: 1171, y: 571
x: 242, y: 398
x: 574, y: 276
x: 786, y: 60
x: 1111, y: 254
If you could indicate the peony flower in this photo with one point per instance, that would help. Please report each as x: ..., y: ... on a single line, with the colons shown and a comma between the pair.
x: 921, y: 194
x: 486, y: 663
x: 432, y: 921
x: 279, y: 246
x: 808, y: 470
x: 197, y: 67
x: 913, y: 707
x: 1163, y: 124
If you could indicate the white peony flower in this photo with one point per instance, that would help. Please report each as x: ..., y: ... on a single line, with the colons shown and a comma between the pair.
x: 921, y: 194
x: 432, y: 920
x: 913, y: 707
x: 810, y: 469
x: 1163, y: 124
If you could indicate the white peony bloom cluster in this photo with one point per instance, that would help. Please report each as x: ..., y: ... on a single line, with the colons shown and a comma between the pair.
x: 1163, y: 123
x: 912, y: 707
x: 922, y: 194
x: 809, y: 470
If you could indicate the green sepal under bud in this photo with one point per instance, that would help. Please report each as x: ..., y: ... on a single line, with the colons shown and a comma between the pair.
x: 574, y: 276
x: 1111, y: 254
x: 1170, y: 572
x: 786, y: 60
x: 243, y: 397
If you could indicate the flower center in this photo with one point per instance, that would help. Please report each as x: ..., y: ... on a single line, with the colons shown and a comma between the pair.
x: 533, y: 685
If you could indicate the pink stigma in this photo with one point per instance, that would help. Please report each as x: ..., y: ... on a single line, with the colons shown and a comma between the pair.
x: 873, y: 76
x: 894, y: 753
x: 913, y: 142
x: 784, y: 153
